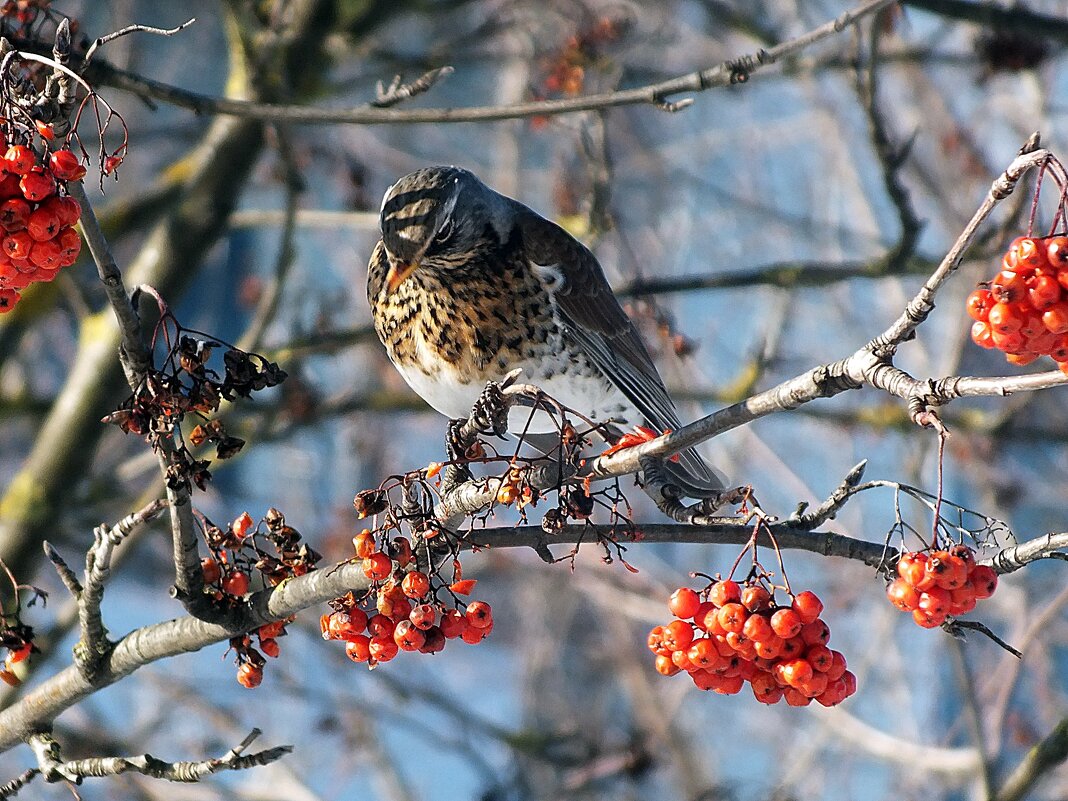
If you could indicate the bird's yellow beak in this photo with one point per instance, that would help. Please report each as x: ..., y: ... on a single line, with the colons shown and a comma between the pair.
x: 397, y: 273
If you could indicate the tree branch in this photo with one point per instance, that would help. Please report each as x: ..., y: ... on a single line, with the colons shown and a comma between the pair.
x: 47, y: 751
x: 726, y: 73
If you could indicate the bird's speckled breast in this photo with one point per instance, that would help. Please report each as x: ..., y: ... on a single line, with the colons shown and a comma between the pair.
x: 451, y: 330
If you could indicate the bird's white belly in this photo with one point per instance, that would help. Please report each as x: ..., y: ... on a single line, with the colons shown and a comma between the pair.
x: 589, y: 395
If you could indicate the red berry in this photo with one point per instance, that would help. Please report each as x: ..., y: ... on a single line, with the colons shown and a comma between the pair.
x: 1055, y: 319
x: 934, y: 601
x: 46, y: 255
x: 17, y: 245
x: 1057, y: 252
x: 903, y: 595
x: 1044, y: 292
x: 786, y: 623
x: 684, y: 603
x: 243, y: 525
x: 732, y: 616
x: 37, y: 184
x: 42, y: 224
x: 978, y: 304
x: 479, y: 615
x: 408, y: 637
x: 433, y: 641
x: 808, y: 606
x: 820, y: 657
x: 1004, y: 318
x: 235, y: 583
x: 211, y: 570
x: 472, y: 635
x: 758, y: 629
x: 382, y: 648
x: 415, y: 584
x: 796, y: 671
x: 677, y: 635
x: 249, y: 675
x: 724, y: 592
x: 364, y: 543
x: 70, y: 245
x: 755, y: 598
x: 270, y: 647
x: 985, y: 580
x: 66, y: 166
x: 66, y: 208
x: 377, y: 566
x: 665, y: 667
x: 423, y: 616
x: 982, y: 335
x: 19, y: 159
x: 14, y: 214
x: 358, y: 649
x: 453, y: 623
x: 380, y: 626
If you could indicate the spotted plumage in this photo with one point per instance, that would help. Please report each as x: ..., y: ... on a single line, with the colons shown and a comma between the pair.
x: 467, y: 284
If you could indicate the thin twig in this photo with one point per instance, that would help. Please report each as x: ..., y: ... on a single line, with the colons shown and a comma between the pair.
x: 398, y: 92
x: 103, y: 40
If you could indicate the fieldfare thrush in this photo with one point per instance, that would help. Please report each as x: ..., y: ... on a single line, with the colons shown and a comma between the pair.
x: 466, y: 285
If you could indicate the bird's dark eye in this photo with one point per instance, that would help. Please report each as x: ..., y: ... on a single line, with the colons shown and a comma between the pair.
x: 444, y: 233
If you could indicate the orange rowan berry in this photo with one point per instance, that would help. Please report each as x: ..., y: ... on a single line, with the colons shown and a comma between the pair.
x: 249, y: 675
x: 415, y: 584
x: 755, y: 598
x: 235, y: 583
x: 786, y: 623
x: 684, y: 603
x: 377, y: 566
x: 678, y: 635
x: 724, y: 592
x: 808, y: 606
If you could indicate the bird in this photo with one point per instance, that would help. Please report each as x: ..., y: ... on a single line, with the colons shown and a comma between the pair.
x: 466, y: 284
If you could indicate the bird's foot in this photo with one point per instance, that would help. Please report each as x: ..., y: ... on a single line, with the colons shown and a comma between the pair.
x: 489, y: 414
x: 669, y: 499
x: 457, y: 445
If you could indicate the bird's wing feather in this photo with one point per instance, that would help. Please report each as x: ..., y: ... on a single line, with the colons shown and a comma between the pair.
x: 598, y: 324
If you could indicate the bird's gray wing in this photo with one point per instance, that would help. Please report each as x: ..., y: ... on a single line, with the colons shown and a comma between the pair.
x: 594, y: 319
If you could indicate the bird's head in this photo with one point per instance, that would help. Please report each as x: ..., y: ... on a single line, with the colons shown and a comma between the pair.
x: 437, y: 217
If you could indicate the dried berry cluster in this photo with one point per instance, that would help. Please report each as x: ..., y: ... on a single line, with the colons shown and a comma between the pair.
x: 937, y: 584
x: 1023, y: 310
x: 271, y: 550
x: 36, y: 217
x: 186, y: 384
x: 733, y: 633
x: 402, y: 610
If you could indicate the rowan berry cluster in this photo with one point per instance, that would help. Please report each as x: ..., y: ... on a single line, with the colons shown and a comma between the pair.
x: 1023, y: 310
x: 733, y: 633
x: 36, y: 217
x: 937, y: 584
x: 271, y: 550
x: 401, y: 611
